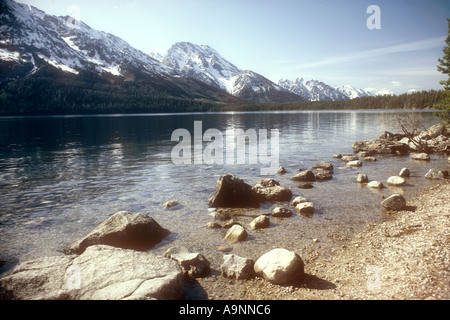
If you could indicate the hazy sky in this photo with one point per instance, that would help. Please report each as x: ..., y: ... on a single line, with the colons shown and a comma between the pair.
x: 326, y: 40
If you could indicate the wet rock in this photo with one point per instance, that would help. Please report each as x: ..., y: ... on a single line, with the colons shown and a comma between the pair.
x: 405, y: 173
x: 370, y: 159
x: 324, y: 166
x: 260, y: 222
x: 239, y: 268
x: 170, y: 204
x: 269, y: 190
x: 298, y: 200
x: 420, y: 156
x: 124, y: 230
x: 348, y: 158
x: 232, y: 192
x: 354, y: 163
x: 396, y: 181
x: 394, y: 202
x: 213, y: 225
x: 99, y: 273
x: 281, y: 212
x: 305, y: 208
x: 307, y: 175
x: 362, y: 178
x: 192, y: 264
x: 281, y: 170
x: 375, y: 185
x: 324, y: 175
x: 280, y: 267
x: 236, y: 233
x: 337, y: 156
x: 434, y: 174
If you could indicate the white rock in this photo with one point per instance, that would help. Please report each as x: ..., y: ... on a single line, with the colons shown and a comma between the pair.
x: 280, y: 266
x: 396, y: 181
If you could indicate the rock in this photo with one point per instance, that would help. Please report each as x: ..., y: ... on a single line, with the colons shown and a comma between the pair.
x: 420, y: 156
x: 281, y: 170
x: 230, y: 223
x: 260, y: 222
x: 354, y: 163
x: 305, y: 208
x: 375, y: 185
x: 323, y: 175
x: 396, y: 181
x: 394, y: 202
x: 337, y: 156
x: 236, y: 233
x: 280, y: 266
x: 213, y: 225
x: 170, y: 204
x: 348, y: 158
x: 232, y: 192
x: 305, y: 185
x: 99, y: 273
x: 269, y: 190
x: 434, y: 174
x: 238, y: 268
x: 298, y: 200
x: 192, y: 264
x: 307, y: 175
x: 362, y: 178
x: 405, y: 173
x: 279, y: 212
x: 448, y: 159
x: 365, y: 154
x: 370, y: 159
x: 324, y: 166
x: 124, y: 230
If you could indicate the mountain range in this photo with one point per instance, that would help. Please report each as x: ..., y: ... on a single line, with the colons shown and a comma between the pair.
x: 31, y: 40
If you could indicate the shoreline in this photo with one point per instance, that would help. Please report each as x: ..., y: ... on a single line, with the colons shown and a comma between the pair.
x: 405, y: 257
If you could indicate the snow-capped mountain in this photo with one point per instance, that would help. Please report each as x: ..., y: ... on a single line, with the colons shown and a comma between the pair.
x: 29, y: 36
x: 27, y: 33
x: 314, y: 90
x: 205, y: 64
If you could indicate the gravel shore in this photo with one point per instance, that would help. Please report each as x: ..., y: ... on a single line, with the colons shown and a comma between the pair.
x: 405, y: 257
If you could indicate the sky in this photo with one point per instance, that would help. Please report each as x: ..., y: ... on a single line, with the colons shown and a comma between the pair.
x: 333, y: 41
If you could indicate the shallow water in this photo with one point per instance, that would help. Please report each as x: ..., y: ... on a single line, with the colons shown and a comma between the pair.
x: 62, y: 176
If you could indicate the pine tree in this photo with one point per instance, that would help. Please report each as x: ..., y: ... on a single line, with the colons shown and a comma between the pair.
x: 444, y: 67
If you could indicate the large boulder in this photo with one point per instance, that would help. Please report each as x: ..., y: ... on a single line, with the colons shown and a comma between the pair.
x: 232, y: 192
x: 280, y: 266
x: 269, y: 190
x: 125, y: 230
x: 236, y: 267
x: 394, y: 202
x: 99, y: 273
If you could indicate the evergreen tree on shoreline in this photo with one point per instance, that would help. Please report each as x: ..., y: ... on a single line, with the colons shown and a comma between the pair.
x: 444, y: 67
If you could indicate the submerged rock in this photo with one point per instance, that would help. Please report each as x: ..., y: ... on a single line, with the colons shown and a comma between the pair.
x: 123, y: 230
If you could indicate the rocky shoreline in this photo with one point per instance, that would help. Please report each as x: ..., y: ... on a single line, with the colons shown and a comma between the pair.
x: 382, y: 262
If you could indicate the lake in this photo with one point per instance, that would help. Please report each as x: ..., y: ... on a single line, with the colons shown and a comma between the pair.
x: 60, y: 176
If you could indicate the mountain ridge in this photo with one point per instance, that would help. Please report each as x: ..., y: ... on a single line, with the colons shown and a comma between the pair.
x: 30, y: 38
